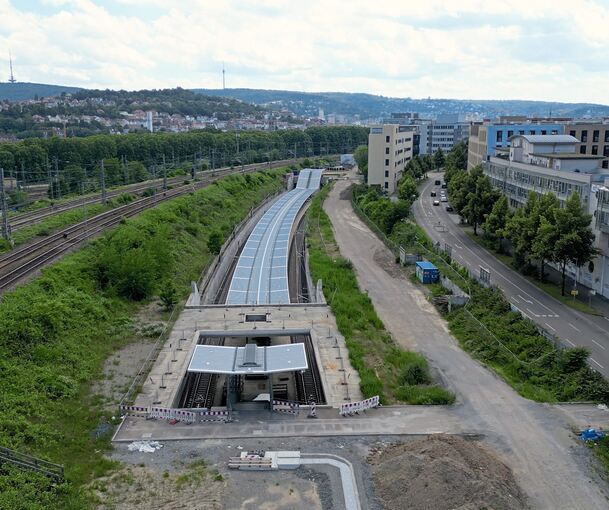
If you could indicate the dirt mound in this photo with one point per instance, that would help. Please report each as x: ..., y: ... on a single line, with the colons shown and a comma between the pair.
x: 443, y: 473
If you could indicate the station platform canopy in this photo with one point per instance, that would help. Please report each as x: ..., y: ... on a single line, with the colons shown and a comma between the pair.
x: 250, y: 359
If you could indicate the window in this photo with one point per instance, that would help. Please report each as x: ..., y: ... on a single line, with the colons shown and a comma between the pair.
x: 387, y: 139
x: 386, y: 162
x: 386, y: 185
x: 605, y: 164
x: 555, y: 131
x: 510, y: 134
x: 544, y: 132
x: 584, y: 136
x: 386, y: 173
x: 521, y: 132
x: 499, y: 136
x: 386, y: 150
x: 595, y: 134
x: 582, y: 149
x: 595, y: 150
x: 531, y: 131
x: 573, y: 133
x: 606, y: 151
x: 607, y: 136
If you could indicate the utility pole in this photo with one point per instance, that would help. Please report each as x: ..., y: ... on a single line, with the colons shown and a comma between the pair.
x: 164, y: 174
x: 125, y: 176
x: 6, y: 229
x: 102, y: 176
x: 23, y: 183
x: 57, y: 177
x: 223, y: 76
x: 51, y: 190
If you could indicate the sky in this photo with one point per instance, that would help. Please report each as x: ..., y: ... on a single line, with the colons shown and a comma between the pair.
x: 552, y: 50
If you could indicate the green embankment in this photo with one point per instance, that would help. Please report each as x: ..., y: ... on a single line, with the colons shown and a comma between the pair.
x: 56, y: 332
x: 384, y: 368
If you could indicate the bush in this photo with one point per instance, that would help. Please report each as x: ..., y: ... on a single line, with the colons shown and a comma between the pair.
x: 215, y: 242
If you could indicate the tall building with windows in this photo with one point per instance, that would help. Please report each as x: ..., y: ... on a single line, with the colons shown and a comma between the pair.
x: 488, y: 136
x: 553, y: 163
x: 390, y: 148
x: 593, y: 137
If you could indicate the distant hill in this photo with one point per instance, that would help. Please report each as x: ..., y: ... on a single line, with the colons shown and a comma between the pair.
x: 372, y: 106
x: 23, y: 91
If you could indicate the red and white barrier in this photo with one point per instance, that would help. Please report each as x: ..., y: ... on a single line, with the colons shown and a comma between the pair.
x: 352, y: 408
x: 286, y: 406
x: 135, y: 410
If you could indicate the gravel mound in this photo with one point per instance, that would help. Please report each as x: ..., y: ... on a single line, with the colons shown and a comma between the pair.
x: 443, y: 473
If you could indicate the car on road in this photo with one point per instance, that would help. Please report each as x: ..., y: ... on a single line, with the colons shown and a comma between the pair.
x: 433, y: 193
x: 436, y: 202
x: 449, y: 208
x: 437, y: 182
x: 443, y: 198
x: 444, y: 185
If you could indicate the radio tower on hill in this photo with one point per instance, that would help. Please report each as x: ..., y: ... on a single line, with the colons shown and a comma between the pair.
x: 223, y: 77
x: 10, y: 60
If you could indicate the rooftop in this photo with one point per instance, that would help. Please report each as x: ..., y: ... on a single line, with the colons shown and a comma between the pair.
x: 549, y: 139
x: 565, y: 155
x: 251, y: 359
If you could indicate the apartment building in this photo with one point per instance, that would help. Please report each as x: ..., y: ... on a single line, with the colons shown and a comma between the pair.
x: 390, y: 148
x: 593, y: 138
x: 553, y: 163
x: 488, y: 136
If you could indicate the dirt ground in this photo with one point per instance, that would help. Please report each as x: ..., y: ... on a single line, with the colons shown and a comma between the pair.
x: 121, y: 366
x: 194, y: 487
x: 443, y: 473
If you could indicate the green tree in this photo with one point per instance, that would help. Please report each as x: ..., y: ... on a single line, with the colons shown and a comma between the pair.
x: 494, y: 225
x: 361, y: 158
x: 543, y: 222
x: 438, y: 159
x: 456, y: 161
x: 521, y: 230
x: 215, y: 242
x: 169, y: 295
x: 479, y: 202
x: 574, y: 237
x: 407, y: 189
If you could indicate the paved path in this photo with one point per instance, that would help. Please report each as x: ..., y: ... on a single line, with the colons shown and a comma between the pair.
x: 532, y: 438
x: 573, y: 327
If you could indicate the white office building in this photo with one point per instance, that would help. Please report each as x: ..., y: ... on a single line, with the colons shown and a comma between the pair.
x: 389, y: 151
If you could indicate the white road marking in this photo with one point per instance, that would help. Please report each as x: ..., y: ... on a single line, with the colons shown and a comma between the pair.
x: 532, y: 313
x: 549, y: 326
x: 594, y: 361
x: 578, y: 330
x: 515, y: 299
x: 569, y: 341
x: 596, y: 343
x: 525, y: 300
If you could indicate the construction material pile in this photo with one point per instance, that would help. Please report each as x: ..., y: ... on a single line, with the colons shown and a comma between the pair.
x: 443, y: 473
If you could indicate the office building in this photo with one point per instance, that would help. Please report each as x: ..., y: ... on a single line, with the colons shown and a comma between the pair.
x: 593, y: 138
x: 488, y: 136
x: 553, y: 163
x: 389, y: 151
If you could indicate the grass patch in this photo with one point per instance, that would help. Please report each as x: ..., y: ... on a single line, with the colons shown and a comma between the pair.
x: 384, y: 368
x: 56, y: 332
x: 549, y: 288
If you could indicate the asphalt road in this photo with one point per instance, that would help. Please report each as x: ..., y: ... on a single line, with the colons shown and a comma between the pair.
x: 572, y: 327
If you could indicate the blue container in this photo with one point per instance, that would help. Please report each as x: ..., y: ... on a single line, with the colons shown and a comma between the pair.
x: 426, y: 272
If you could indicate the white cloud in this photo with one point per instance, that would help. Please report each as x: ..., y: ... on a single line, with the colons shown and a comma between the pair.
x: 439, y: 48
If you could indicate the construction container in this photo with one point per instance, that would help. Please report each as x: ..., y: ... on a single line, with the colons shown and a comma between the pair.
x: 426, y: 272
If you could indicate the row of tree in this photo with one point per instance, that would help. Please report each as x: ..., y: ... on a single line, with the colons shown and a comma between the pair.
x: 542, y: 230
x: 36, y: 160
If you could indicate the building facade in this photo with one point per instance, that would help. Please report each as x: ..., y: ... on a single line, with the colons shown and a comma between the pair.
x: 593, y: 138
x: 553, y: 163
x: 486, y: 137
x: 390, y: 148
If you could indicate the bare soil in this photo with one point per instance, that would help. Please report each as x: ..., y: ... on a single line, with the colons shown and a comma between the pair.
x: 193, y: 487
x: 122, y: 365
x: 443, y: 473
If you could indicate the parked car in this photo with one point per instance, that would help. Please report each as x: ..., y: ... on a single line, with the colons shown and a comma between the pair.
x: 443, y: 198
x: 437, y: 182
x: 436, y: 202
x: 433, y: 193
x: 449, y: 208
x: 444, y: 185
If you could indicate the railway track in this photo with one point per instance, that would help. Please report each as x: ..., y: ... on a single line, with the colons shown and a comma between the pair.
x: 308, y: 382
x: 21, y: 262
x: 25, y: 219
x: 200, y: 388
